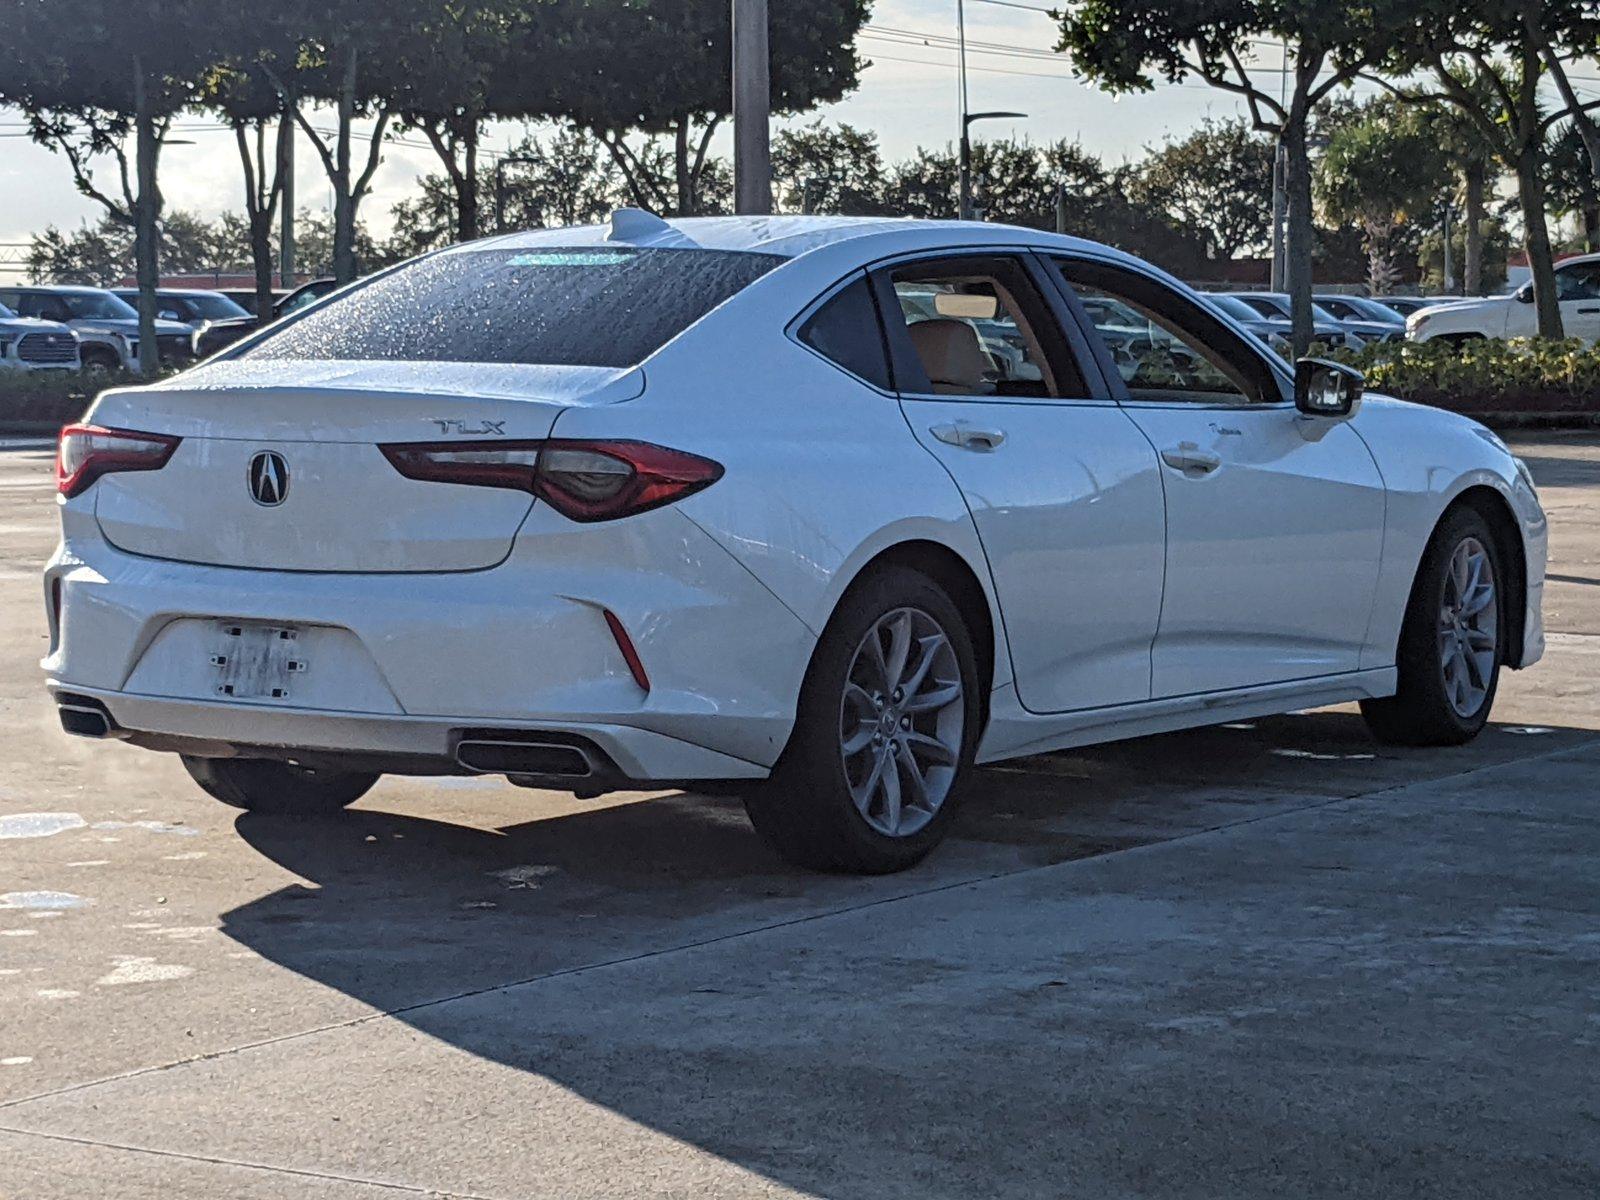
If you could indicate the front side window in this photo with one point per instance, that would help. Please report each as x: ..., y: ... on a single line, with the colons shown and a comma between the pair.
x: 978, y: 327
x: 1164, y: 346
x: 1581, y: 281
x: 93, y: 306
x: 204, y: 307
x: 597, y: 306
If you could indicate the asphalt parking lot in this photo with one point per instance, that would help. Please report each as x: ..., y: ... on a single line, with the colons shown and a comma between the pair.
x: 1270, y: 959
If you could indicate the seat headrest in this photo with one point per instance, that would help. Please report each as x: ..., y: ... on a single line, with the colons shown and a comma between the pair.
x: 951, y: 355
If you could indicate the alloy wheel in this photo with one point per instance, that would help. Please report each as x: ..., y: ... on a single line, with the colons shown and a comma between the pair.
x: 901, y: 722
x: 1469, y: 627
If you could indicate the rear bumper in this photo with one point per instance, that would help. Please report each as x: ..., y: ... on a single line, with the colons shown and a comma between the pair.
x: 401, y: 744
x: 398, y: 664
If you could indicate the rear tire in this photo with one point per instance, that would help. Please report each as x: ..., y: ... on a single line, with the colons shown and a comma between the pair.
x: 268, y: 786
x: 885, y: 729
x: 1452, y: 642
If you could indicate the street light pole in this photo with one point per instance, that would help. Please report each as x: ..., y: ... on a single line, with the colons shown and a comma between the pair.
x: 752, y: 105
x: 967, y: 212
x: 964, y: 203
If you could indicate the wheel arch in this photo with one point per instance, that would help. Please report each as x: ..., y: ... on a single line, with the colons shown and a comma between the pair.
x: 1496, y: 511
x: 961, y: 582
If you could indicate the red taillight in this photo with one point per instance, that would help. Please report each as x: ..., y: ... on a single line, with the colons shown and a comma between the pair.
x: 583, y: 481
x: 87, y: 452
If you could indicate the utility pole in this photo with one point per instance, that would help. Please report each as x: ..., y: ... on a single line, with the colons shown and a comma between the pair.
x: 752, y: 109
x: 286, y: 273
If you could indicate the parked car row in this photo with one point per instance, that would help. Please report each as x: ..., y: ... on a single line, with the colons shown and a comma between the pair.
x: 1338, y: 320
x: 50, y: 327
x: 90, y: 329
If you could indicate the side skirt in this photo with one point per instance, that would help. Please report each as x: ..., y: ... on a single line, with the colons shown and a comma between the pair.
x: 1013, y: 731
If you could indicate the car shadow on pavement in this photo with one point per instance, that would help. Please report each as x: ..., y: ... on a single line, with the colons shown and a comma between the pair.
x: 479, y: 938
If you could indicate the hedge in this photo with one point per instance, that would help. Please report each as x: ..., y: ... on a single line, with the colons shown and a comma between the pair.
x: 43, y: 401
x: 1527, y: 377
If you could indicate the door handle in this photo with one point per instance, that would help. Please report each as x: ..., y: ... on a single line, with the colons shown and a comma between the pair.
x: 1590, y: 309
x: 968, y: 437
x: 1191, y: 460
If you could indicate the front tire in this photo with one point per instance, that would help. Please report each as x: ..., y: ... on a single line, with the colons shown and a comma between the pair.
x: 1452, y: 641
x: 886, y: 726
x: 268, y: 786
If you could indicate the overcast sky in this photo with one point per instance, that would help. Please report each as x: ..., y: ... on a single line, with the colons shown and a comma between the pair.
x: 907, y: 103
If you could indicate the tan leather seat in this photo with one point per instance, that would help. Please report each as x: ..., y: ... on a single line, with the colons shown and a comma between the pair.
x: 952, y: 356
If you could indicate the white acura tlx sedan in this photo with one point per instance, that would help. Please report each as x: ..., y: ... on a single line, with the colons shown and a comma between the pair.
x: 817, y: 511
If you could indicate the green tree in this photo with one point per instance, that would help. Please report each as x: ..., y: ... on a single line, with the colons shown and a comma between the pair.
x: 645, y: 69
x: 564, y: 179
x: 1487, y: 60
x: 1216, y: 183
x: 342, y: 52
x: 469, y: 60
x: 1126, y: 45
x: 92, y: 255
x: 92, y: 75
x: 1494, y: 247
x: 1378, y: 172
x: 1568, y: 32
x: 255, y: 87
x: 1019, y: 183
x: 828, y: 169
x: 1571, y: 183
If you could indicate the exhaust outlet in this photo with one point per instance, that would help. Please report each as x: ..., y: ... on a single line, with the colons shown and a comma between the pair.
x: 555, y: 760
x: 83, y: 717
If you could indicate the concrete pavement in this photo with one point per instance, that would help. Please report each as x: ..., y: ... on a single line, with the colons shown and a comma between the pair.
x: 1269, y: 959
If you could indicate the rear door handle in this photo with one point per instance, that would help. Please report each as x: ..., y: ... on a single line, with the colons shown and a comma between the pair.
x: 1190, y: 459
x: 969, y: 437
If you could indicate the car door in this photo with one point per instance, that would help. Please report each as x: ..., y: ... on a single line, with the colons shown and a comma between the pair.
x: 1274, y: 526
x: 1578, y: 287
x: 1061, y: 484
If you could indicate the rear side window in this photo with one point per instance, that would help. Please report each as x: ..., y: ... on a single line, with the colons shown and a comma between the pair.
x: 585, y: 306
x: 846, y: 332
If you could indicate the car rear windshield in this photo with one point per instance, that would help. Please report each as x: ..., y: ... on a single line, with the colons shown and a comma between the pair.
x: 585, y: 306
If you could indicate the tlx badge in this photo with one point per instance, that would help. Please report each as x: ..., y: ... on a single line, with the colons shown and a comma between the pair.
x: 471, y: 428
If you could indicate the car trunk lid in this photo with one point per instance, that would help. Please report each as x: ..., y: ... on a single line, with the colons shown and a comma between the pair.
x: 279, y: 467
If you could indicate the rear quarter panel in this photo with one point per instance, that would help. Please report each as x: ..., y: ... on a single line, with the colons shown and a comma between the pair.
x: 822, y: 471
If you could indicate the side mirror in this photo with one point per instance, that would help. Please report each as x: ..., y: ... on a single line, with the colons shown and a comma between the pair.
x: 1525, y: 293
x: 1326, y: 389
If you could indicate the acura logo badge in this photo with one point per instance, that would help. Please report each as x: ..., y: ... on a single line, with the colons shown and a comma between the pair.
x: 269, y: 479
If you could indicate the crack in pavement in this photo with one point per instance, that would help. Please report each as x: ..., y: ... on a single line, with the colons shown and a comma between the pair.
x: 300, y: 1172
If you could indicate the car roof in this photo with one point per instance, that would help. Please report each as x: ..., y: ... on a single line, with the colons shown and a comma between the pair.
x: 169, y: 291
x: 786, y: 236
x: 59, y: 288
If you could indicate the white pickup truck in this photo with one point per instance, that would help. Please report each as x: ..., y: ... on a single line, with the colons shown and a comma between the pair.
x: 1512, y: 316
